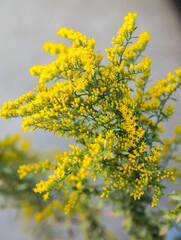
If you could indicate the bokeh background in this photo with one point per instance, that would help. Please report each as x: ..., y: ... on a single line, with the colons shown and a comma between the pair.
x: 26, y: 24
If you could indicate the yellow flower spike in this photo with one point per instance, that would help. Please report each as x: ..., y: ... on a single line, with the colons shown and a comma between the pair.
x: 133, y: 50
x: 54, y: 48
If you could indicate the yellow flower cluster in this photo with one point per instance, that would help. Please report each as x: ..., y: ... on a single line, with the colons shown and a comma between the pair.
x: 134, y: 50
x: 37, y: 167
x: 55, y: 48
x: 160, y: 93
x: 122, y: 39
x: 126, y: 29
x: 94, y: 104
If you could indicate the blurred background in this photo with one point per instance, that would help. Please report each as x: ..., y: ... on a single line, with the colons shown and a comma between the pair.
x: 27, y: 25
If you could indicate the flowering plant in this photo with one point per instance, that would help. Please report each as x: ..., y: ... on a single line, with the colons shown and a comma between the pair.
x: 115, y: 120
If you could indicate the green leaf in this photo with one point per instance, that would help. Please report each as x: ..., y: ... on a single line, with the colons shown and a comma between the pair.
x: 164, y: 115
x: 152, y: 134
x: 95, y: 84
x: 89, y: 119
x: 174, y: 99
x: 176, y: 198
x: 116, y: 129
x: 157, y: 140
x: 124, y: 153
x: 98, y: 113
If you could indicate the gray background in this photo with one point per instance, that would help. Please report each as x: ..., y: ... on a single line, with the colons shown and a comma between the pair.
x: 26, y: 24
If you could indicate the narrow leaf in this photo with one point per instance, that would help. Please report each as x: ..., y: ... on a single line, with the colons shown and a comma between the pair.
x: 176, y: 198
